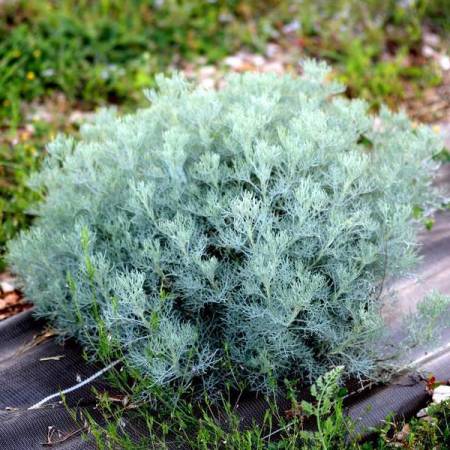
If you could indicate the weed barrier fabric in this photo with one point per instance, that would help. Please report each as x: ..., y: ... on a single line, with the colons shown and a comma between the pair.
x: 33, y: 365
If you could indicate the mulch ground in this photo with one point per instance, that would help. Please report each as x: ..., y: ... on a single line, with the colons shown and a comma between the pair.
x: 11, y: 300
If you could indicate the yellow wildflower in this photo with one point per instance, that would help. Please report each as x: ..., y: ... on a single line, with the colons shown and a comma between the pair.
x: 436, y: 128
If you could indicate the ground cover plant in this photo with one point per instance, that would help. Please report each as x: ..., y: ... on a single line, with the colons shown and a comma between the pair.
x: 92, y: 53
x: 229, y: 238
x: 99, y: 51
x: 204, y: 427
x: 317, y: 423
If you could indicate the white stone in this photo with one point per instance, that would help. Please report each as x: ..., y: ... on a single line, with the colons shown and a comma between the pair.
x: 428, y: 51
x: 235, y: 61
x: 422, y: 413
x: 441, y: 393
x: 207, y: 71
x: 272, y: 50
x: 431, y: 39
x: 6, y: 287
x: 291, y: 27
x: 444, y: 62
x: 258, y: 60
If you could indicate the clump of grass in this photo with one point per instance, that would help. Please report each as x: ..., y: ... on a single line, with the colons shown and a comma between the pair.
x: 317, y: 424
x: 103, y: 51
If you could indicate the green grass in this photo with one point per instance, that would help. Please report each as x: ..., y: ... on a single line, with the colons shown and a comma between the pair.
x: 15, y: 165
x: 318, y: 423
x: 106, y: 51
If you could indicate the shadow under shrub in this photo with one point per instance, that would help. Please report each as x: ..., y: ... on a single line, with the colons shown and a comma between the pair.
x: 238, y: 237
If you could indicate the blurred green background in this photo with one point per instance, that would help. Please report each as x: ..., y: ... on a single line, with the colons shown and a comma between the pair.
x: 60, y: 60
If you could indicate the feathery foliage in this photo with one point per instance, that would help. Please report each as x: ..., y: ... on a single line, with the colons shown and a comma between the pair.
x: 239, y: 236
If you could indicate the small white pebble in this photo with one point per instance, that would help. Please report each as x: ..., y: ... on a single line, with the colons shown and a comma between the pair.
x: 291, y: 27
x: 207, y: 71
x: 431, y: 39
x: 6, y: 287
x: 422, y: 413
x: 444, y: 62
x: 427, y: 51
x: 272, y: 50
x: 258, y: 60
x: 235, y: 62
x: 441, y: 393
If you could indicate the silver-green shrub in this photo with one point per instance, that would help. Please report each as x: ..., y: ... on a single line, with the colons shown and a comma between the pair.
x: 234, y: 236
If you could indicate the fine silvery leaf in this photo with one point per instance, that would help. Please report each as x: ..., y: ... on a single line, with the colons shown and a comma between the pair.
x: 231, y: 236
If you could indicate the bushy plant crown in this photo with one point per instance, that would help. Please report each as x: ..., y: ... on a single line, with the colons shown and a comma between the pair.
x: 234, y: 236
